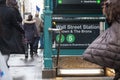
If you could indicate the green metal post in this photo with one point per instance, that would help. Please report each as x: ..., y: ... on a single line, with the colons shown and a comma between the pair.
x: 48, y: 71
x: 47, y: 36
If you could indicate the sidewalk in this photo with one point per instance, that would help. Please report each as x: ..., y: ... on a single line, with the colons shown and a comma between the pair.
x: 32, y: 69
x: 26, y: 70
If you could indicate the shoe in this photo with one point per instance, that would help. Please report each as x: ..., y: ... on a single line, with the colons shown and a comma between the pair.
x: 34, y: 50
x: 7, y: 65
x: 26, y: 57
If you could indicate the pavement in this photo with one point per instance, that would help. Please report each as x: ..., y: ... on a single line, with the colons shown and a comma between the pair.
x: 22, y: 69
x: 31, y: 69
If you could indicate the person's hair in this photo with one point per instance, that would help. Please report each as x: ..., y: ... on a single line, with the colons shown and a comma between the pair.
x: 30, y: 17
x: 12, y: 3
x: 36, y: 15
x: 112, y: 10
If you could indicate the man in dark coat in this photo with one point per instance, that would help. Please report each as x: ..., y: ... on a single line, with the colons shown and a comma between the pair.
x: 9, y: 27
x: 19, y: 36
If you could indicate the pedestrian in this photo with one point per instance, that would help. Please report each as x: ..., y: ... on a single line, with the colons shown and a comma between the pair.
x: 37, y: 38
x: 13, y: 4
x: 30, y: 32
x: 8, y: 40
x: 105, y: 49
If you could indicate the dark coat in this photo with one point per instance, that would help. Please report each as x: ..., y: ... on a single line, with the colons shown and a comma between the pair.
x: 8, y: 39
x: 105, y: 50
x: 13, y: 4
x: 30, y: 30
x: 18, y: 15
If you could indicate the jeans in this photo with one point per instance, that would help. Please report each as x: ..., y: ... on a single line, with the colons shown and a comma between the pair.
x: 35, y: 45
x: 31, y: 50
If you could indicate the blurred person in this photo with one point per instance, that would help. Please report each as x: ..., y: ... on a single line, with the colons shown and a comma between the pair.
x: 9, y: 27
x: 30, y: 32
x: 20, y: 37
x: 13, y: 4
x: 105, y: 49
x: 37, y: 38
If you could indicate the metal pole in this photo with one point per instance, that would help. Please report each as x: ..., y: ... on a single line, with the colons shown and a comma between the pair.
x: 58, y: 53
x: 58, y: 48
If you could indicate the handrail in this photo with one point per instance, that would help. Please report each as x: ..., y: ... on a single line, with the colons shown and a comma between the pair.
x: 58, y: 49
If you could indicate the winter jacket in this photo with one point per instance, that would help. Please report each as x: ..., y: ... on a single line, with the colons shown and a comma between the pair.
x: 9, y: 41
x: 105, y: 49
x: 30, y: 30
x: 38, y: 25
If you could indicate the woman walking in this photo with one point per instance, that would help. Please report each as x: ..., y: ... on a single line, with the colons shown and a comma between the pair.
x: 30, y: 32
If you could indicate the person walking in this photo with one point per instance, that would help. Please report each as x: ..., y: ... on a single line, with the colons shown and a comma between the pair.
x: 13, y: 4
x: 9, y: 27
x: 30, y: 32
x: 105, y: 49
x: 37, y: 38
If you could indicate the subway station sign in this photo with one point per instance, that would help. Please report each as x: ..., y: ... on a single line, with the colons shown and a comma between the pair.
x: 76, y: 34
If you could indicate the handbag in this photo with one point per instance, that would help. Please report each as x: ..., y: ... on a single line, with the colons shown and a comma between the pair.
x: 105, y: 49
